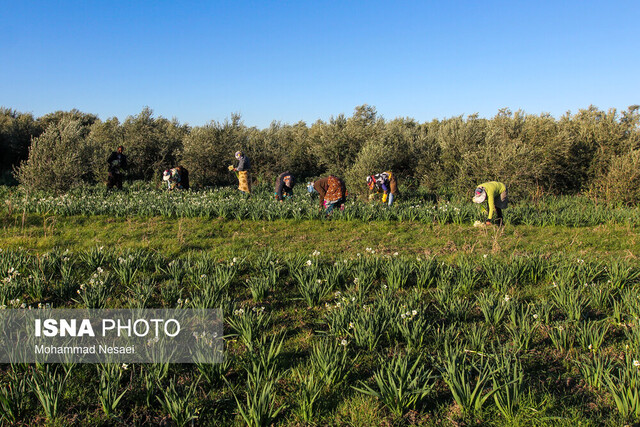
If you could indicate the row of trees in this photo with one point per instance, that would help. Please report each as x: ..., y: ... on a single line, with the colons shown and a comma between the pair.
x: 593, y: 151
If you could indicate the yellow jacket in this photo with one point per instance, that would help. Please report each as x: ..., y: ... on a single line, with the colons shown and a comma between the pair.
x: 493, y: 190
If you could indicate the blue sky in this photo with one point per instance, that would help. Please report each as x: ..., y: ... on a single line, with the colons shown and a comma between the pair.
x: 288, y: 61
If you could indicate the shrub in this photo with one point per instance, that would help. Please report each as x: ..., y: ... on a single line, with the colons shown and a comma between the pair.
x: 55, y: 158
x: 620, y: 184
x: 209, y: 150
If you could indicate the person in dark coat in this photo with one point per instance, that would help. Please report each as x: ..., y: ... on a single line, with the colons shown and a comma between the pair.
x: 184, y: 177
x: 284, y: 186
x: 117, y: 163
x: 243, y: 171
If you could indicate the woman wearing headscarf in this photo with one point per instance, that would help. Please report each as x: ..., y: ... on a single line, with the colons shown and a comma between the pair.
x: 284, y: 186
x: 176, y: 178
x: 385, y: 183
x: 495, y: 193
x: 332, y: 191
x: 243, y: 168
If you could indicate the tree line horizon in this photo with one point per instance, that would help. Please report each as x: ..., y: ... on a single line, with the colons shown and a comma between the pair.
x: 592, y: 152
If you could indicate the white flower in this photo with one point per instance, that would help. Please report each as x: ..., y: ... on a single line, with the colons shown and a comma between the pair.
x: 636, y: 363
x: 507, y: 298
x: 414, y: 312
x: 125, y: 366
x: 315, y: 253
x: 308, y: 262
x: 350, y: 325
x: 343, y: 342
x: 395, y: 254
x: 535, y: 316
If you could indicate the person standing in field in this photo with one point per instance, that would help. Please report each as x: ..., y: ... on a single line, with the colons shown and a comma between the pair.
x: 385, y: 183
x: 332, y: 191
x: 284, y: 186
x: 495, y: 193
x: 243, y: 172
x: 117, y: 163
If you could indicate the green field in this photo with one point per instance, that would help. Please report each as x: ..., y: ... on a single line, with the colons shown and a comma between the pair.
x: 367, y: 320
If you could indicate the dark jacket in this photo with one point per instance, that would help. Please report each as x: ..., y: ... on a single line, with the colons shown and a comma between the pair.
x: 117, y: 162
x: 281, y: 187
x: 244, y: 164
x: 184, y: 177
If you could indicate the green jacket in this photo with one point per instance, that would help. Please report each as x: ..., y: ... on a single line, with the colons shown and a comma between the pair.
x: 493, y: 190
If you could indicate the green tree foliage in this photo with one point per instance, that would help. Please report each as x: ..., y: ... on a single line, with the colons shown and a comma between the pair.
x: 85, y: 120
x: 209, y: 150
x: 16, y: 131
x: 55, y: 158
x: 337, y: 144
x: 104, y: 138
x: 590, y: 151
x: 283, y: 148
x: 460, y: 140
x: 151, y: 144
x: 620, y: 183
x: 393, y: 148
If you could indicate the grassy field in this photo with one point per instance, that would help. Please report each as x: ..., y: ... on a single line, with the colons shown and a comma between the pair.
x: 355, y: 322
x: 228, y: 238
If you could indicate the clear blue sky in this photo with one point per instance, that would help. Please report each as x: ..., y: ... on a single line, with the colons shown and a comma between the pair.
x: 308, y: 60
